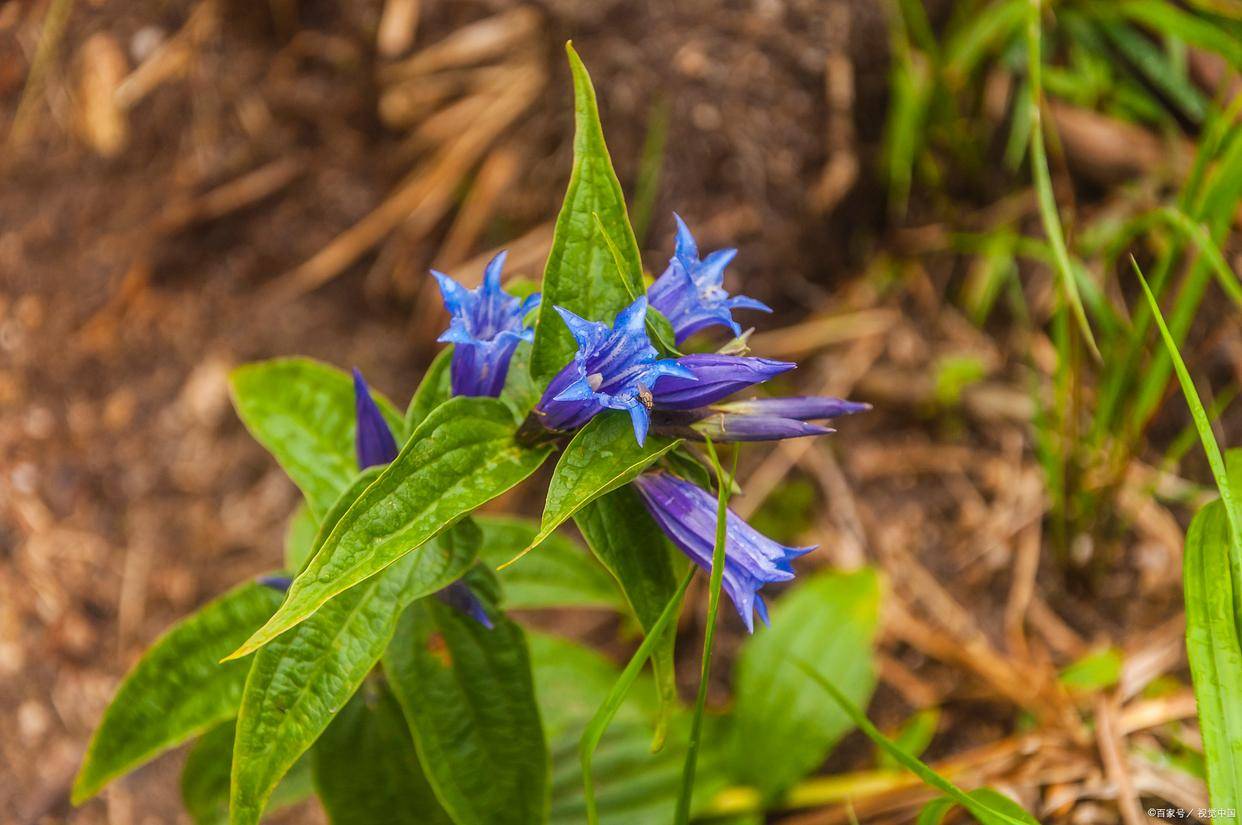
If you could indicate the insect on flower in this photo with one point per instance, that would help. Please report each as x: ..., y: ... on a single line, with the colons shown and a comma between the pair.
x: 614, y: 368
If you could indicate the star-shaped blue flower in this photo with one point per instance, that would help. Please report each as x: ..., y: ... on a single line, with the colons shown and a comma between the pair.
x: 614, y: 368
x: 691, y: 291
x: 487, y: 325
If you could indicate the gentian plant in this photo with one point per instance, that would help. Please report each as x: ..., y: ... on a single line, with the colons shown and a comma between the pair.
x: 380, y: 669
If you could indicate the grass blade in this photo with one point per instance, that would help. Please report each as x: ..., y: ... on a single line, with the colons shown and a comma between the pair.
x: 985, y: 811
x: 1043, y: 183
x: 1215, y: 459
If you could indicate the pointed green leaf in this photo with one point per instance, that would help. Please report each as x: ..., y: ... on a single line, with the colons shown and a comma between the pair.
x: 205, y: 779
x: 177, y: 690
x: 559, y: 573
x: 577, y: 275
x: 1214, y: 651
x: 784, y: 726
x: 461, y: 456
x: 623, y: 536
x: 302, y: 411
x: 658, y: 327
x: 299, y: 681
x: 435, y: 388
x: 366, y: 769
x: 467, y: 694
x: 602, y: 456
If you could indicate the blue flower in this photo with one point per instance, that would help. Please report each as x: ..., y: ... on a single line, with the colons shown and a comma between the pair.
x: 721, y: 427
x: 614, y: 368
x: 687, y: 515
x: 691, y: 292
x: 802, y: 408
x: 758, y: 419
x: 373, y: 440
x: 486, y: 327
x: 460, y: 597
x: 714, y: 377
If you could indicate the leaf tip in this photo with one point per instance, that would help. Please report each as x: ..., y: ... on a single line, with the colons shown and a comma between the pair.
x: 534, y: 543
x: 82, y: 789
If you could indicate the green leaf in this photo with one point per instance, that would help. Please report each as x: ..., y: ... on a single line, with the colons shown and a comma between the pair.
x: 1167, y: 19
x: 461, y: 456
x: 634, y: 785
x: 1220, y: 473
x: 915, y: 734
x: 985, y: 806
x: 520, y: 392
x: 302, y: 411
x: 577, y: 274
x: 435, y: 388
x: 558, y: 574
x: 366, y: 769
x: 934, y: 812
x: 623, y: 536
x: 299, y: 681
x: 658, y: 327
x: 573, y: 681
x: 205, y: 779
x: 1096, y: 671
x: 469, y: 699
x: 300, y: 538
x: 1043, y: 183
x: 603, y: 456
x: 1214, y: 651
x: 177, y: 690
x: 617, y: 695
x: 784, y: 727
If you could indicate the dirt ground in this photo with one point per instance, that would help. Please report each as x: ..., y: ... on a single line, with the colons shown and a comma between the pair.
x: 145, y: 251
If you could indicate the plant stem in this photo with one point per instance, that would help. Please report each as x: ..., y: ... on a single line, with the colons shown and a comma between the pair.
x: 709, y: 635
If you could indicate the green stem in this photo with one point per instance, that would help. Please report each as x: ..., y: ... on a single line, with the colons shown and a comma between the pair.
x: 724, y: 486
x: 603, y: 717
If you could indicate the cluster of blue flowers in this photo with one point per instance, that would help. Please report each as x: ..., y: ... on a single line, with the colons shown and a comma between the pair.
x: 616, y: 367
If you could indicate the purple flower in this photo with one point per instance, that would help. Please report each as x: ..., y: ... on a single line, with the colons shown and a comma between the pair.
x: 758, y: 419
x: 373, y: 440
x: 687, y: 514
x: 802, y: 408
x: 486, y: 327
x: 280, y: 583
x: 614, y: 368
x: 720, y: 427
x: 691, y: 292
x: 461, y: 598
x: 714, y: 377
